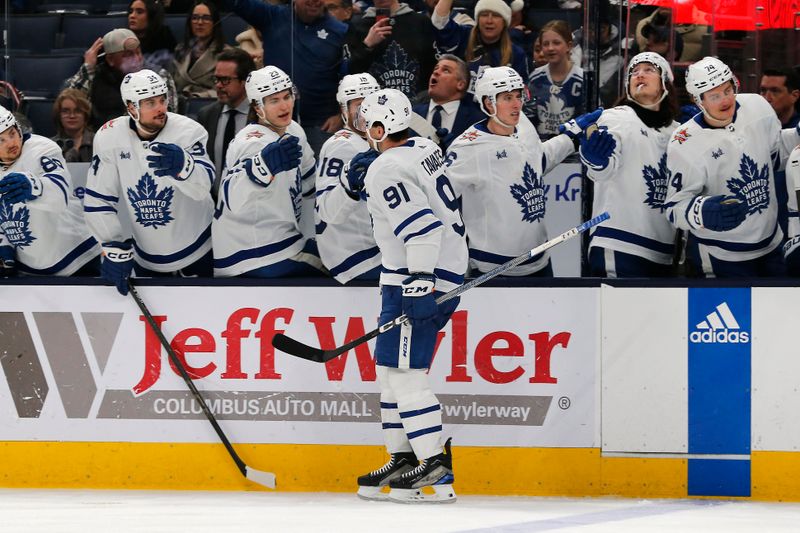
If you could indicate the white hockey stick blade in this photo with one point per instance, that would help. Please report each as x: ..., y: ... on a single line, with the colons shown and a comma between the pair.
x: 266, y: 479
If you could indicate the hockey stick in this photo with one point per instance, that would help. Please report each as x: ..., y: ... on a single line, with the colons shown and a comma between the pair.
x: 266, y: 479
x: 304, y: 351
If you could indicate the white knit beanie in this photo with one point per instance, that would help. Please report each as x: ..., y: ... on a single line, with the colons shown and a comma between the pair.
x: 500, y: 7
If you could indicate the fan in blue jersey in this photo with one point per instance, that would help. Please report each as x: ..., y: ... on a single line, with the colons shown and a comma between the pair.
x: 497, y: 171
x: 42, y: 230
x: 155, y: 164
x: 627, y: 160
x: 344, y: 230
x: 262, y: 227
x: 421, y: 237
x: 557, y: 87
x: 722, y: 187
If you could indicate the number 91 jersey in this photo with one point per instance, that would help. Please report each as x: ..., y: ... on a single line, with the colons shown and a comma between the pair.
x: 415, y: 215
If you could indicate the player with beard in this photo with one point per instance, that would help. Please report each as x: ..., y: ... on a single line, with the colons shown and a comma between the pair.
x: 155, y: 162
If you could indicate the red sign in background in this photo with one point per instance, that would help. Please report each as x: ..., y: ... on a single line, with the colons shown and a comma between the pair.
x: 732, y: 14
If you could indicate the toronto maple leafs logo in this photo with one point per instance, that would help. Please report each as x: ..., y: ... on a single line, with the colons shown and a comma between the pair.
x: 382, y: 99
x: 152, y: 207
x: 752, y: 185
x: 656, y: 180
x: 396, y: 70
x: 530, y: 195
x: 553, y: 113
x: 16, y: 225
x: 296, y: 196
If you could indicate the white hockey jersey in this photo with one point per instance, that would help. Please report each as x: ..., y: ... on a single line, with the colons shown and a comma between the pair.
x: 48, y: 234
x: 632, y: 188
x: 256, y: 226
x: 171, y: 218
x: 500, y: 180
x: 735, y: 160
x: 344, y: 230
x: 792, y: 245
x: 415, y: 215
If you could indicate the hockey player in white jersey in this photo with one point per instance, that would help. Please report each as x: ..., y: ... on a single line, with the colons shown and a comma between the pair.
x: 344, y: 230
x: 722, y: 185
x: 791, y: 249
x: 258, y: 225
x: 152, y: 164
x: 421, y: 237
x: 627, y: 160
x: 42, y: 230
x: 498, y: 174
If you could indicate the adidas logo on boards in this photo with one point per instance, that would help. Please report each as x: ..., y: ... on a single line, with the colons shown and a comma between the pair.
x: 720, y: 326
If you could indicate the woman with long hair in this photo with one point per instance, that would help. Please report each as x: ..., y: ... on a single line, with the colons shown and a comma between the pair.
x: 195, y: 57
x: 146, y: 20
x: 627, y: 160
x: 74, y: 135
x: 487, y: 43
x: 556, y: 88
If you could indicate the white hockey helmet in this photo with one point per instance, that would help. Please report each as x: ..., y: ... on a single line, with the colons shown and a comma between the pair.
x: 658, y: 61
x: 355, y: 86
x: 495, y: 80
x: 7, y: 120
x: 266, y: 81
x: 138, y: 86
x: 390, y: 107
x: 707, y: 74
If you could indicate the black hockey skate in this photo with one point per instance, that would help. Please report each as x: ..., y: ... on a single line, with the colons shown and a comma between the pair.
x: 370, y: 485
x: 435, y: 472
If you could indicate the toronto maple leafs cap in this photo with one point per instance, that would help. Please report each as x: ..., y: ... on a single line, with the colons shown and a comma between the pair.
x: 119, y: 40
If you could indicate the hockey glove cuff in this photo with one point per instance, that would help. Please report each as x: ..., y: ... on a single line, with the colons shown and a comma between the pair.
x: 596, y: 151
x: 717, y: 213
x: 19, y: 187
x: 355, y: 173
x: 419, y: 303
x: 8, y: 265
x: 578, y: 125
x: 117, y: 264
x: 171, y: 160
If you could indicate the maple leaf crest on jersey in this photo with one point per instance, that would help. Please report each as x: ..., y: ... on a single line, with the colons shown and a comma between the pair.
x: 16, y: 225
x: 530, y: 195
x: 752, y: 186
x: 151, y: 206
x: 656, y: 181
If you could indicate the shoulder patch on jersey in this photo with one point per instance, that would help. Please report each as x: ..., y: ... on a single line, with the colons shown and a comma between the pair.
x: 342, y: 134
x: 530, y: 195
x: 151, y: 206
x: 682, y: 135
x: 254, y: 135
x: 16, y: 225
x: 108, y: 125
x: 469, y: 135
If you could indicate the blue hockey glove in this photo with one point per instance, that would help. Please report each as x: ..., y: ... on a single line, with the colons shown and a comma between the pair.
x: 419, y: 304
x: 8, y: 265
x: 172, y: 160
x: 578, y: 125
x: 282, y: 155
x: 355, y: 171
x: 597, y: 149
x: 687, y: 112
x: 717, y: 213
x: 117, y: 264
x: 17, y: 187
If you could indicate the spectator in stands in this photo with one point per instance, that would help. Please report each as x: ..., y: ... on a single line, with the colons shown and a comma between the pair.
x: 608, y: 47
x: 250, y: 41
x: 781, y: 88
x: 394, y: 44
x: 146, y: 20
x: 655, y: 34
x: 557, y: 87
x: 71, y: 114
x: 224, y: 118
x: 305, y: 42
x: 538, y: 54
x: 342, y: 10
x: 195, y: 57
x: 451, y: 109
x: 486, y: 44
x: 100, y: 82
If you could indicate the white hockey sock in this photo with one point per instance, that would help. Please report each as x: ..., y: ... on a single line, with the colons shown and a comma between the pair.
x: 393, y: 433
x: 419, y: 410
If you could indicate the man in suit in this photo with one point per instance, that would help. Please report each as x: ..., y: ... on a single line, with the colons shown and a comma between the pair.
x: 225, y: 117
x: 451, y: 109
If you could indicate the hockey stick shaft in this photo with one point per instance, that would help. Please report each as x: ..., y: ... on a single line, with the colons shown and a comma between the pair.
x: 298, y: 349
x: 266, y: 479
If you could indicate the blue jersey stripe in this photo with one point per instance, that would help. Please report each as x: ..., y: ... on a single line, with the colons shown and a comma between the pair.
x: 391, y: 425
x: 423, y: 231
x: 95, y: 194
x: 421, y: 213
x: 90, y: 209
x: 418, y: 412
x: 177, y: 256
x: 81, y: 249
x: 440, y: 273
x: 261, y: 251
x: 632, y: 238
x: 355, y: 259
x: 387, y: 405
x: 497, y: 259
x: 421, y: 432
x: 738, y: 246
